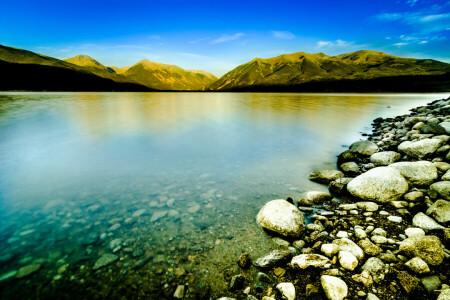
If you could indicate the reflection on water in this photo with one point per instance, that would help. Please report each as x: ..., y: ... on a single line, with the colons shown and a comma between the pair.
x: 157, y: 189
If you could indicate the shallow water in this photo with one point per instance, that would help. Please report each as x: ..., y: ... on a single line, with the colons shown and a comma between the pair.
x: 168, y: 182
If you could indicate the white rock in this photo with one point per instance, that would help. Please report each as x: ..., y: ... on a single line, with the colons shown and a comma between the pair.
x: 423, y: 221
x: 417, y: 265
x: 348, y: 245
x: 179, y: 292
x: 315, y: 197
x: 378, y: 239
x: 282, y: 217
x: 412, y: 232
x: 395, y: 219
x: 379, y: 231
x: 287, y: 289
x: 376, y: 267
x: 385, y: 158
x: 342, y: 234
x: 420, y: 148
x: 329, y: 249
x: 347, y: 260
x: 418, y: 172
x: 360, y: 233
x: 380, y: 184
x: 304, y: 261
x: 367, y: 205
x: 334, y: 287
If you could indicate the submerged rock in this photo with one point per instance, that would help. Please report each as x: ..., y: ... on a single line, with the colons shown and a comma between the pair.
x: 381, y: 184
x: 325, y: 176
x: 281, y: 217
x: 28, y: 270
x: 105, y: 260
x: 334, y: 287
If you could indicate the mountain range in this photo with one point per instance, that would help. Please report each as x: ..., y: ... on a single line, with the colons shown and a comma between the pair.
x: 364, y: 71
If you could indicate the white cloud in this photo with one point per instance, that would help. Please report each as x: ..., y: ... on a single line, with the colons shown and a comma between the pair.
x: 400, y: 44
x: 432, y: 18
x: 284, y: 35
x: 227, y: 38
x: 423, y: 42
x: 336, y: 43
x: 411, y: 2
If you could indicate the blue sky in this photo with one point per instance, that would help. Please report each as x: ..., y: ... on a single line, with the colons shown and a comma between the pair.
x: 216, y: 36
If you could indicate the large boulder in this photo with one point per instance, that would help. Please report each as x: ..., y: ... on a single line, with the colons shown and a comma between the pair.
x: 418, y: 172
x: 428, y: 247
x: 421, y: 148
x: 423, y: 221
x: 441, y: 188
x: 433, y: 129
x: 281, y: 217
x: 334, y: 287
x: 385, y: 158
x: 380, y: 184
x: 346, y: 244
x: 364, y: 147
x: 440, y: 211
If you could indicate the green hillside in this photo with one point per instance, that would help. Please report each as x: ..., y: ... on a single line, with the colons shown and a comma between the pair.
x: 299, y: 68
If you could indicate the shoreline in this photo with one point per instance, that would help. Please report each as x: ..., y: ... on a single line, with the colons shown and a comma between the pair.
x: 389, y: 200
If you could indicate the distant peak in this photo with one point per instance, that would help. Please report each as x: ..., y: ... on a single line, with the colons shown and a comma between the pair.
x: 84, y: 60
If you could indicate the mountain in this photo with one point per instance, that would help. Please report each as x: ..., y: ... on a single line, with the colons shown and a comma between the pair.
x: 25, y: 70
x: 320, y: 72
x: 167, y: 77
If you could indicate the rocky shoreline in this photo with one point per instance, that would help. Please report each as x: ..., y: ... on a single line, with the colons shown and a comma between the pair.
x: 380, y: 233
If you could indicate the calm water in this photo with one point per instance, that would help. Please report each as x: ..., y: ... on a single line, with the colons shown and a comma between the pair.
x: 168, y: 182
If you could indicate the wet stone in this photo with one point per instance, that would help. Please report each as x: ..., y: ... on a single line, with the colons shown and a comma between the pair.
x: 28, y: 270
x: 272, y: 258
x: 105, y: 260
x: 92, y: 238
x: 262, y: 280
x: 244, y: 260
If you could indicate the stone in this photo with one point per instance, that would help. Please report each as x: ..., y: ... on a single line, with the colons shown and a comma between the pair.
x: 418, y: 172
x: 325, y: 176
x: 279, y: 272
x: 440, y: 211
x: 360, y: 234
x: 236, y: 283
x: 281, y: 217
x: 417, y: 265
x: 179, y: 292
x: 139, y: 213
x: 379, y: 231
x: 442, y: 166
x: 376, y: 267
x: 431, y: 283
x: 446, y: 176
x: 395, y: 219
x: 281, y: 242
x: 272, y: 258
x: 158, y: 215
x: 433, y: 129
x: 329, y: 249
x: 350, y: 167
x: 347, y: 260
x: 244, y: 260
x: 412, y: 232
x: 311, y: 290
x: 423, y: 221
x: 105, y: 260
x: 399, y: 204
x: 441, y: 188
x: 315, y: 197
x: 299, y: 244
x: 367, y: 206
x: 28, y: 270
x: 365, y: 278
x: 339, y: 185
x: 444, y: 295
x: 350, y: 246
x: 346, y: 156
x: 421, y: 148
x: 334, y: 287
x: 408, y: 282
x: 7, y: 276
x: 364, y: 147
x: 262, y: 280
x: 378, y: 239
x: 371, y: 296
x: 348, y: 206
x: 385, y: 158
x: 304, y: 261
x: 381, y: 184
x: 446, y: 126
x: 413, y: 196
x: 287, y: 289
x: 342, y: 234
x: 429, y: 248
x: 369, y: 248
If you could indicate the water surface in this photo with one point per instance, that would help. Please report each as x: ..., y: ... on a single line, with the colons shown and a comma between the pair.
x: 168, y: 182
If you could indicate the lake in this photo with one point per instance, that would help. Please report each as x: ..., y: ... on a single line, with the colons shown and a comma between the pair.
x: 131, y: 194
